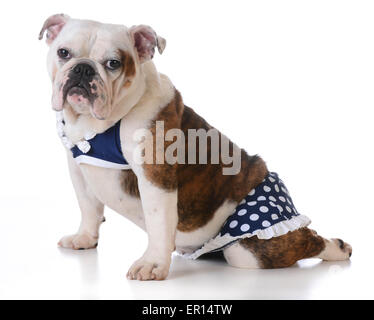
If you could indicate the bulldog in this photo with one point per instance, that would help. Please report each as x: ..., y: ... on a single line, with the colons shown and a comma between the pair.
x: 122, y: 124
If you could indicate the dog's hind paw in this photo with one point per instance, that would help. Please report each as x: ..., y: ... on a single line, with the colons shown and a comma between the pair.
x: 78, y: 241
x: 336, y: 249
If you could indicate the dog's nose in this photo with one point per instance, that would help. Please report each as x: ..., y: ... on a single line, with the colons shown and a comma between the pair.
x: 84, y: 69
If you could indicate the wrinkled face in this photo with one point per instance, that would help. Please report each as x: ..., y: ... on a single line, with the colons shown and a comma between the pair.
x: 93, y: 66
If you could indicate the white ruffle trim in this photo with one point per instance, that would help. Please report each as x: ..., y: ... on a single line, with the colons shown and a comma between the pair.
x: 276, y: 230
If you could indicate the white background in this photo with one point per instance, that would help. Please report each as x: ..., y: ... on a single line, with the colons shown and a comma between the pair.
x: 290, y: 80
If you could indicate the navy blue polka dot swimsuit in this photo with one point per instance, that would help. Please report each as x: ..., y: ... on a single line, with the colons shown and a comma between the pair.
x: 267, y: 211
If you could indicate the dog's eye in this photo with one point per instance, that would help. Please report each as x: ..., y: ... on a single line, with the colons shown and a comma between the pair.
x: 113, y: 64
x: 63, y: 54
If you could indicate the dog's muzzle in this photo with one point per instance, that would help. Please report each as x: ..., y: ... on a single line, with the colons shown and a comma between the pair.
x: 80, y: 82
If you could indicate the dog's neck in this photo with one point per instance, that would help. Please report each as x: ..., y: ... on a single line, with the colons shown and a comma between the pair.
x: 147, y: 84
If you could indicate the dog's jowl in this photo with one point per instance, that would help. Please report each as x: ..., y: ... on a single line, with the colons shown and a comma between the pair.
x: 191, y: 195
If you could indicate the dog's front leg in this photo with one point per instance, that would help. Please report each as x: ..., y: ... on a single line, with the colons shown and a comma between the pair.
x: 92, y: 211
x: 160, y: 212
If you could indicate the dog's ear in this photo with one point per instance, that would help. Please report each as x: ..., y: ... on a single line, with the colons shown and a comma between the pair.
x: 53, y: 25
x: 145, y: 40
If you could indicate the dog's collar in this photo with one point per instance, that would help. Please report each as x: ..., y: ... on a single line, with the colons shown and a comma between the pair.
x: 101, y: 150
x: 83, y: 144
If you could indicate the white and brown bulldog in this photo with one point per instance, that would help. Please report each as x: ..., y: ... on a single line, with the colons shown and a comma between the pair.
x: 106, y: 87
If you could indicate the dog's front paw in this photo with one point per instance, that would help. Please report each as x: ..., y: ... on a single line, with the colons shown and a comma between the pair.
x: 148, y: 269
x: 78, y: 241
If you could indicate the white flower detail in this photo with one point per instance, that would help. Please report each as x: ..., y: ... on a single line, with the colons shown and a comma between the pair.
x: 84, y: 146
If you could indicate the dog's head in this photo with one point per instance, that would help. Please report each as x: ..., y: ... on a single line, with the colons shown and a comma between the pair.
x: 93, y: 66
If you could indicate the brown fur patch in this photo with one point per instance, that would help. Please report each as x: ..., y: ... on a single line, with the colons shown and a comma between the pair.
x: 129, y: 183
x: 165, y: 175
x: 286, y: 250
x: 202, y: 188
x: 127, y: 83
x: 128, y: 64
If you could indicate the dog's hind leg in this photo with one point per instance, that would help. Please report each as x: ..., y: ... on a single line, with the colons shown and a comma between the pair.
x: 286, y: 250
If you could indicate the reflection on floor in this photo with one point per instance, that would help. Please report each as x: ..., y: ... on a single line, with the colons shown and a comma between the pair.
x: 33, y: 267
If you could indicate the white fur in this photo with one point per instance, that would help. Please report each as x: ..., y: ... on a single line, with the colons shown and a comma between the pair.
x: 161, y: 217
x: 106, y: 185
x: 239, y: 257
x: 187, y: 242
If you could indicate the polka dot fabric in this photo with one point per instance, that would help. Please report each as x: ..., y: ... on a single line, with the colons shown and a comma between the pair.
x: 266, y: 212
x: 266, y: 205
